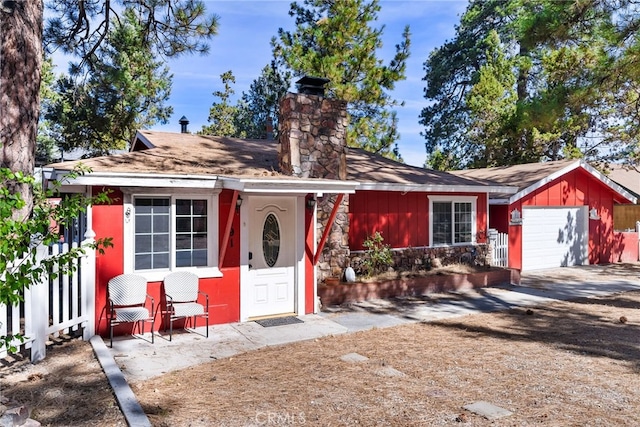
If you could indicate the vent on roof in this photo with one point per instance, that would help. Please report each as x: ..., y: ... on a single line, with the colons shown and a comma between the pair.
x: 312, y: 85
x: 184, y: 122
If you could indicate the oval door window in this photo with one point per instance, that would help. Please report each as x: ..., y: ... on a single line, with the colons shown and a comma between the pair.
x: 271, y: 240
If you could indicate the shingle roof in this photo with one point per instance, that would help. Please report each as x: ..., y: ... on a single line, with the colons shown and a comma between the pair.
x: 363, y: 166
x: 528, y: 176
x: 627, y: 176
x: 188, y: 154
x: 521, y: 176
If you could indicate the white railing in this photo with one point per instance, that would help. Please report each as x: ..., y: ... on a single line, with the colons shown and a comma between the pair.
x: 499, y: 248
x: 53, y: 306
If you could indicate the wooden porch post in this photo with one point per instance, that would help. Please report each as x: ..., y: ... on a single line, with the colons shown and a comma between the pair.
x: 327, y: 228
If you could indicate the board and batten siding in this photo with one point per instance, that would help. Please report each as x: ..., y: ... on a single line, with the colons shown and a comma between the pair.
x: 575, y: 188
x: 401, y: 217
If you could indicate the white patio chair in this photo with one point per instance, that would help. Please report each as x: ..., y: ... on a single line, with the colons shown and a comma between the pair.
x: 128, y: 302
x: 182, y: 291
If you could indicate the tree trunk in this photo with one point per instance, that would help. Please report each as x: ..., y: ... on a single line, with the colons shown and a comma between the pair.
x: 21, y: 53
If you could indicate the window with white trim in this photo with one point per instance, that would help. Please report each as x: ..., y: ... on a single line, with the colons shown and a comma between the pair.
x: 173, y: 232
x: 152, y: 234
x: 453, y: 220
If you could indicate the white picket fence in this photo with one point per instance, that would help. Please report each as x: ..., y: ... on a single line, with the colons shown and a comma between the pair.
x: 499, y: 248
x: 54, y: 306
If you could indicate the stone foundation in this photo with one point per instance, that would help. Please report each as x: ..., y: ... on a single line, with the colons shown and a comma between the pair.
x: 336, y: 253
x: 420, y: 259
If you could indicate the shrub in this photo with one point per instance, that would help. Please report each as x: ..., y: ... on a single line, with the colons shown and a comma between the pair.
x: 21, y: 236
x: 378, y: 257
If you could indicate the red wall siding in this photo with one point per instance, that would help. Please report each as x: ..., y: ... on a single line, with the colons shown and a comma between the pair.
x: 401, y: 218
x: 499, y: 218
x: 626, y: 247
x: 224, y: 293
x: 107, y: 222
x: 576, y: 188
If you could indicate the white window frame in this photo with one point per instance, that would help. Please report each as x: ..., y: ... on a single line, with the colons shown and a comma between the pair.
x: 210, y: 270
x: 454, y: 199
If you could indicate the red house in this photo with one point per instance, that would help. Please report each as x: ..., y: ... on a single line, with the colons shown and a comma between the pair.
x: 262, y: 222
x: 561, y: 215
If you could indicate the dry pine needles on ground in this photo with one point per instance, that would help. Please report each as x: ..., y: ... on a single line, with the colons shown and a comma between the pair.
x: 68, y: 388
x: 568, y: 363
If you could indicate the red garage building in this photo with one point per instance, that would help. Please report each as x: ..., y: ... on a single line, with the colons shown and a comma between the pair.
x: 561, y: 215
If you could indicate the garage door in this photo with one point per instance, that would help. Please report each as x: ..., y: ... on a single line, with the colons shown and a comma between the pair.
x: 554, y: 237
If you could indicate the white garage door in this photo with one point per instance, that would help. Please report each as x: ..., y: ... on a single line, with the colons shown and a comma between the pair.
x: 554, y: 237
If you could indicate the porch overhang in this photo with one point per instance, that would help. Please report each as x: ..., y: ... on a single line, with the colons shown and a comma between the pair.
x: 267, y: 185
x: 132, y: 179
x: 258, y: 185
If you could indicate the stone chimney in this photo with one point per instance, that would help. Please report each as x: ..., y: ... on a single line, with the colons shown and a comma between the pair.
x: 312, y: 135
x: 312, y: 144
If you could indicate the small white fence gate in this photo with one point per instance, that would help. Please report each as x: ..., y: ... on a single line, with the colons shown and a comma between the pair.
x: 499, y: 243
x: 54, y: 306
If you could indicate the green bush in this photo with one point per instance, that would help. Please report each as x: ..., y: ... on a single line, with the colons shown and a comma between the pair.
x: 20, y: 236
x: 378, y: 256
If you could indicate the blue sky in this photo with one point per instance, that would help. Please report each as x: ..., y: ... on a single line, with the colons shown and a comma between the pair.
x: 243, y: 46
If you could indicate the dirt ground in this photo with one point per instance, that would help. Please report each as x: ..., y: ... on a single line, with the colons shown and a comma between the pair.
x: 566, y: 364
x: 569, y: 363
x: 68, y: 388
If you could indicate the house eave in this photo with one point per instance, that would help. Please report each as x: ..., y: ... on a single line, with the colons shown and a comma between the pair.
x: 251, y: 185
x: 431, y: 188
x: 128, y: 179
x: 289, y: 186
x: 578, y: 163
x: 497, y: 201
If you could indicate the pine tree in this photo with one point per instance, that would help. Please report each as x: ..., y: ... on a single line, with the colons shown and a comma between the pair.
x: 102, y: 103
x: 258, y: 108
x: 336, y: 40
x: 222, y: 115
x: 531, y: 81
x: 21, y: 57
x: 77, y: 27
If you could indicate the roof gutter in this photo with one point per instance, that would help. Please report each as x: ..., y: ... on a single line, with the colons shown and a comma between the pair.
x: 407, y: 188
x: 288, y: 186
x: 266, y: 185
x: 134, y: 179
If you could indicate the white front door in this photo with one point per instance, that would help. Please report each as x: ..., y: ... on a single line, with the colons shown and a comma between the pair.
x: 271, y: 274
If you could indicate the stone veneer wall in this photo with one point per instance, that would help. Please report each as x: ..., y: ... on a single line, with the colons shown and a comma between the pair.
x: 417, y: 259
x: 336, y: 253
x: 312, y: 137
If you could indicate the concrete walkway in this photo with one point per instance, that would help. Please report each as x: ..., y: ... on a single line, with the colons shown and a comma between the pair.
x: 140, y: 360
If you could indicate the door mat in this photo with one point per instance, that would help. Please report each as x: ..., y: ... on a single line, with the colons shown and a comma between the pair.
x: 278, y: 321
